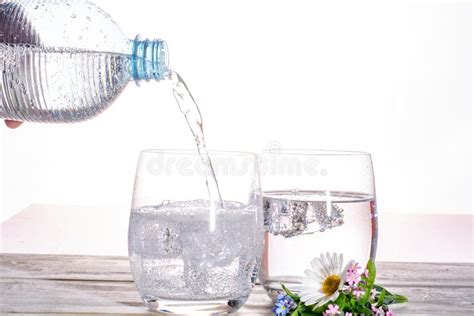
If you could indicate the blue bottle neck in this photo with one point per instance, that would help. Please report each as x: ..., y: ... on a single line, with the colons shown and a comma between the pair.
x: 149, y: 60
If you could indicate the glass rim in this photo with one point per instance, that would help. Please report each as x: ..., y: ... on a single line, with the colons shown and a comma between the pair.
x: 194, y: 152
x: 314, y: 152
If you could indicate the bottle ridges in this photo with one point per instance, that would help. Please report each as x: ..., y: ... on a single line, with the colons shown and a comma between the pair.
x: 56, y: 84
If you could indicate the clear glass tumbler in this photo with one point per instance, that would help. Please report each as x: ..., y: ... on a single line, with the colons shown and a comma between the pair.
x: 186, y: 256
x: 315, y: 202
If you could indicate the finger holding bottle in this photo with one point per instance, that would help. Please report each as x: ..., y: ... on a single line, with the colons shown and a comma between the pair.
x: 12, y: 124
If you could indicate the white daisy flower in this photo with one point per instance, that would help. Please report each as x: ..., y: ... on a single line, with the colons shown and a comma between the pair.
x: 324, y: 280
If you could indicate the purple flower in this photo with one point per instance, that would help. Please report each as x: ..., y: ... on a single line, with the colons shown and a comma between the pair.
x: 389, y: 313
x: 348, y: 314
x: 332, y: 310
x: 283, y: 305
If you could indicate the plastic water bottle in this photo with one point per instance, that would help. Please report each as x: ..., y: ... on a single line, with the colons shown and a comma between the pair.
x: 67, y: 60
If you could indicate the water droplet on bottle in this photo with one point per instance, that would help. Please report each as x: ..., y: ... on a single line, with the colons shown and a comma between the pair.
x: 36, y: 7
x: 80, y: 38
x: 88, y: 18
x: 73, y: 15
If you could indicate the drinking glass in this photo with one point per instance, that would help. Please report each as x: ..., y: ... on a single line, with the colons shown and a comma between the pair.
x: 315, y: 202
x: 187, y: 255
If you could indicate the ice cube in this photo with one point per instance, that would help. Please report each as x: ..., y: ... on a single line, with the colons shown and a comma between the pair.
x: 290, y: 218
x: 211, y: 249
x: 155, y: 235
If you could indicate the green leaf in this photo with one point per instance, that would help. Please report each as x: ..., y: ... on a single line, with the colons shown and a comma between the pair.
x: 320, y: 309
x: 366, y: 311
x: 381, y: 298
x: 370, y: 281
x: 306, y: 311
x: 295, y: 297
x: 391, y: 298
x: 353, y: 301
x: 372, y: 273
x: 295, y: 313
x: 341, y: 301
x: 397, y: 299
x: 360, y: 309
x: 380, y: 289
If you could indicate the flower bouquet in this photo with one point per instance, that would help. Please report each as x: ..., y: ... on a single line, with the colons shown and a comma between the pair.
x: 332, y: 288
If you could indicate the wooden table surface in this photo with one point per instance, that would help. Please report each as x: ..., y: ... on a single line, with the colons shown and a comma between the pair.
x: 61, y: 284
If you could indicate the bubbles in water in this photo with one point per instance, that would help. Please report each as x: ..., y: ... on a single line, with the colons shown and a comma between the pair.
x: 176, y: 256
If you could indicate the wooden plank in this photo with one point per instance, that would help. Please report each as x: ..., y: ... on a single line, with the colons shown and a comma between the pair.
x: 50, y: 284
x: 65, y: 267
x: 406, y: 274
x: 85, y: 297
x: 68, y: 267
x: 54, y: 296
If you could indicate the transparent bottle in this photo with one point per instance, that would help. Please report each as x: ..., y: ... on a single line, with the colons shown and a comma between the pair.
x: 66, y: 60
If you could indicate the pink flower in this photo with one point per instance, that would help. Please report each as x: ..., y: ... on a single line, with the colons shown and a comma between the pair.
x: 332, y: 310
x: 353, y: 278
x: 357, y: 292
x: 348, y: 314
x: 373, y: 293
x: 354, y: 268
x: 389, y: 313
x: 353, y: 275
x: 377, y: 311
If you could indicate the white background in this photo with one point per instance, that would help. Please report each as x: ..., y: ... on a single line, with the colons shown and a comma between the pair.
x: 391, y: 79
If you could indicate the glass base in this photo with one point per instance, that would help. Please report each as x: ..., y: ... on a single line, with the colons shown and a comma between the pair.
x: 196, y: 307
